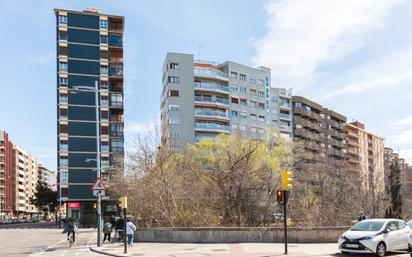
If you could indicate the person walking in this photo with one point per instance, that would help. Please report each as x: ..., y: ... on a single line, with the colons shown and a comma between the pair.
x: 71, y: 228
x: 107, y: 230
x: 119, y: 229
x: 130, y: 229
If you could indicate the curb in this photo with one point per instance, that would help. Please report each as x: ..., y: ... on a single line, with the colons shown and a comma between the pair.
x: 105, y: 253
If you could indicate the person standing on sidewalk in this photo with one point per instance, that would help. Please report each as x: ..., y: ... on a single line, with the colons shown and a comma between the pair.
x: 119, y: 229
x: 107, y: 230
x: 130, y: 229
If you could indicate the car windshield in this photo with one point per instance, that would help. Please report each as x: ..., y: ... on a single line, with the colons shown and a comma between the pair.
x: 368, y: 225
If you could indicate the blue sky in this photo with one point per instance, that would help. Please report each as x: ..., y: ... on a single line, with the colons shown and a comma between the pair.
x: 352, y: 56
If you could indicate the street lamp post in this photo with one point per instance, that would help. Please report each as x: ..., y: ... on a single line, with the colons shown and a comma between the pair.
x: 99, y: 198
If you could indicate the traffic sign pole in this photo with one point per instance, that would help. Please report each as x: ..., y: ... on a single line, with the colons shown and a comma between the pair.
x: 99, y: 189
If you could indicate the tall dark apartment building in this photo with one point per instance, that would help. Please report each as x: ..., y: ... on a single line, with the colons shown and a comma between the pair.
x: 89, y: 103
x: 321, y: 133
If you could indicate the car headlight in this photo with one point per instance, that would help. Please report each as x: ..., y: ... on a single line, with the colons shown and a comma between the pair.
x: 367, y: 238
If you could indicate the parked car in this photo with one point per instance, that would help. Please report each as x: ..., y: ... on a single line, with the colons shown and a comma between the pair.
x: 410, y: 239
x: 376, y: 236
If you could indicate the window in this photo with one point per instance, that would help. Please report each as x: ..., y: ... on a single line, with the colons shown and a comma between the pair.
x: 253, y: 116
x: 63, y: 112
x: 63, y: 162
x: 234, y: 126
x: 174, y: 93
x: 233, y: 75
x: 64, y: 176
x: 233, y: 88
x: 174, y: 107
x: 252, y: 91
x: 298, y: 105
x: 260, y: 82
x: 243, y: 102
x: 104, y: 85
x: 104, y: 24
x: 243, y: 89
x: 104, y: 70
x: 173, y: 79
x: 62, y: 36
x: 252, y: 104
x: 62, y: 50
x: 235, y: 113
x: 242, y: 77
x: 261, y: 118
x: 261, y: 106
x: 242, y: 127
x: 243, y: 115
x: 63, y: 81
x: 252, y: 80
x: 62, y: 19
x: 104, y: 40
x: 261, y: 93
x: 63, y: 98
x: 235, y: 100
x: 62, y: 66
x: 174, y: 121
x: 104, y: 55
x: 173, y: 66
x: 253, y: 129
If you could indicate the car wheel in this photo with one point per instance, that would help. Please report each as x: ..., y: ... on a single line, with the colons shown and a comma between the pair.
x: 381, y: 249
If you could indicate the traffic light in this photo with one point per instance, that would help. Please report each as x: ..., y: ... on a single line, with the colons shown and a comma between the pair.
x: 287, y: 180
x: 94, y: 205
x: 279, y: 196
x: 123, y: 202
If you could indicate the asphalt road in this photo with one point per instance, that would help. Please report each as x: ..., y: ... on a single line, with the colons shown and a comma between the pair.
x: 42, y: 239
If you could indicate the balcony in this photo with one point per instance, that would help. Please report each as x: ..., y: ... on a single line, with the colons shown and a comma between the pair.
x: 211, y: 73
x: 212, y: 113
x: 212, y: 127
x: 312, y: 146
x: 285, y: 105
x: 211, y: 87
x: 116, y: 104
x: 306, y: 113
x: 116, y: 71
x: 284, y: 116
x: 208, y: 99
x: 117, y: 149
x: 115, y: 40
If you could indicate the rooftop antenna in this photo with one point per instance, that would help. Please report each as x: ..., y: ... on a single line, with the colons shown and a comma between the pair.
x: 198, y: 52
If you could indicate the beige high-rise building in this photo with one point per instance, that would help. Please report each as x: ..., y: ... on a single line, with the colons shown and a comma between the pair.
x: 365, y: 152
x: 25, y: 175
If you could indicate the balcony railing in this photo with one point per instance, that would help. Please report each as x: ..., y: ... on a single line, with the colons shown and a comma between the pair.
x: 211, y: 113
x: 116, y: 71
x: 213, y: 86
x: 211, y: 99
x: 116, y: 103
x: 116, y: 133
x: 285, y: 105
x: 117, y: 149
x: 212, y: 126
x: 284, y: 116
x: 210, y: 72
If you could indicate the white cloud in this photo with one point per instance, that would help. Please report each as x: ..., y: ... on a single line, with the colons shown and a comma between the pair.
x: 404, y: 122
x: 403, y: 137
x: 388, y: 72
x: 135, y: 127
x: 303, y: 34
x: 406, y: 154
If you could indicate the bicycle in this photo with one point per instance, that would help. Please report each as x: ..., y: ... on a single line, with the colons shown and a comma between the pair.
x: 71, y: 241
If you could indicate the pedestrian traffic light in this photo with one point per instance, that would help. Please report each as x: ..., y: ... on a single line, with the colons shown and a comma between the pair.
x: 279, y: 196
x: 287, y: 180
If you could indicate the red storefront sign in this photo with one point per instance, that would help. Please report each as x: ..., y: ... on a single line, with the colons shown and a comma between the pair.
x: 73, y: 205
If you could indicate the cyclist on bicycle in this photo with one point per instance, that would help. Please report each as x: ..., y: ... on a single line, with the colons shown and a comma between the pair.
x: 71, y: 228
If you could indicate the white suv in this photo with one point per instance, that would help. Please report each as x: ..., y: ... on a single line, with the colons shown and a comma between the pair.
x: 375, y: 236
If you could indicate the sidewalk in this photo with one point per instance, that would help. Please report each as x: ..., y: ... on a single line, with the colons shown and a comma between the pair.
x: 216, y: 250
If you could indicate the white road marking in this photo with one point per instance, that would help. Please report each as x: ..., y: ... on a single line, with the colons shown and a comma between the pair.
x: 45, y: 249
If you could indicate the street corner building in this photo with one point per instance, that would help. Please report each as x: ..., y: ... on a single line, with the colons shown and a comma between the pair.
x: 90, y: 104
x: 201, y: 99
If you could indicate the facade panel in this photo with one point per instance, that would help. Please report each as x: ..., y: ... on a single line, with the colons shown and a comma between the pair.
x: 83, y: 36
x: 83, y: 52
x: 82, y: 129
x: 84, y: 67
x: 81, y: 144
x: 83, y: 21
